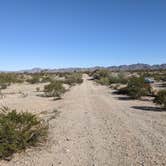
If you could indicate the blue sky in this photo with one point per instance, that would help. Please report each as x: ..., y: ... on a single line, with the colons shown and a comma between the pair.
x: 81, y: 33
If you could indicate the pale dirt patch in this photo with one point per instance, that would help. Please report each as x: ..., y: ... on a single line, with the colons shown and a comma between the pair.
x: 95, y: 128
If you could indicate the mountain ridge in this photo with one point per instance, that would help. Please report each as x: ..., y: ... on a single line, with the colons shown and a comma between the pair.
x: 137, y: 66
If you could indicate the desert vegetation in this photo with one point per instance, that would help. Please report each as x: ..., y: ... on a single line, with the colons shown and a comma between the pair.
x: 106, y: 77
x: 8, y: 78
x: 135, y: 84
x: 136, y: 88
x: 73, y: 78
x: 30, y: 92
x: 54, y: 89
x: 19, y: 131
x: 158, y: 75
x: 35, y: 78
x: 160, y: 98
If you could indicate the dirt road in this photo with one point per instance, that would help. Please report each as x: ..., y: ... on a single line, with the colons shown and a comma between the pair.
x: 98, y: 128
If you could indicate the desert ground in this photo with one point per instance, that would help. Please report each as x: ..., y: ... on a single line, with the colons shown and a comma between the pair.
x: 91, y: 127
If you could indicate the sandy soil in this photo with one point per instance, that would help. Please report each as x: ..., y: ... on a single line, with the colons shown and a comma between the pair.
x: 95, y: 128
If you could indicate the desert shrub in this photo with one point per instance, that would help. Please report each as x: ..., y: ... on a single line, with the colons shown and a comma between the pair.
x: 73, y: 78
x: 46, y: 79
x: 63, y: 74
x: 98, y: 74
x: 19, y: 131
x: 161, y: 98
x: 137, y: 88
x: 105, y: 77
x: 119, y: 79
x: 101, y: 76
x: 158, y: 75
x: 54, y: 89
x: 103, y: 81
x: 8, y: 78
x: 35, y: 79
x: 38, y: 89
x: 3, y: 85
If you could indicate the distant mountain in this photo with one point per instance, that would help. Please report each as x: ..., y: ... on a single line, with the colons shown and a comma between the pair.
x: 138, y: 66
x: 34, y: 70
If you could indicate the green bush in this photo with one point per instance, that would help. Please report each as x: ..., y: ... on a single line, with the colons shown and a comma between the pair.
x: 46, y: 79
x: 73, y: 78
x: 137, y: 88
x: 98, y: 74
x: 105, y: 77
x: 161, y: 98
x: 19, y: 131
x: 34, y: 80
x: 104, y: 81
x: 101, y: 76
x: 54, y: 89
x: 8, y: 78
x: 119, y: 79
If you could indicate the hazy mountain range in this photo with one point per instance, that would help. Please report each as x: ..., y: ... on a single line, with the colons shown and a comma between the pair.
x: 138, y: 66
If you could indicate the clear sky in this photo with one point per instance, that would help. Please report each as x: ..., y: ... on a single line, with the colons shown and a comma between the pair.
x: 82, y: 33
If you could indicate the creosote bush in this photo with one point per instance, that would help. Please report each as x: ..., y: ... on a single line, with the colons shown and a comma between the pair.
x: 54, y: 89
x: 119, y: 79
x: 103, y: 81
x: 7, y: 78
x: 35, y: 79
x: 161, y: 98
x: 19, y: 131
x: 106, y: 77
x: 73, y: 78
x: 136, y: 88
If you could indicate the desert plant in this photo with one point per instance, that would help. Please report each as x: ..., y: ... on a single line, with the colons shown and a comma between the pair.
x: 46, y: 79
x: 73, y: 78
x: 137, y: 88
x: 7, y: 78
x: 3, y: 86
x: 54, y: 89
x: 35, y: 78
x: 103, y: 81
x: 118, y: 78
x: 38, y: 89
x: 161, y: 98
x: 106, y: 77
x: 101, y: 76
x: 19, y: 131
x: 98, y: 74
